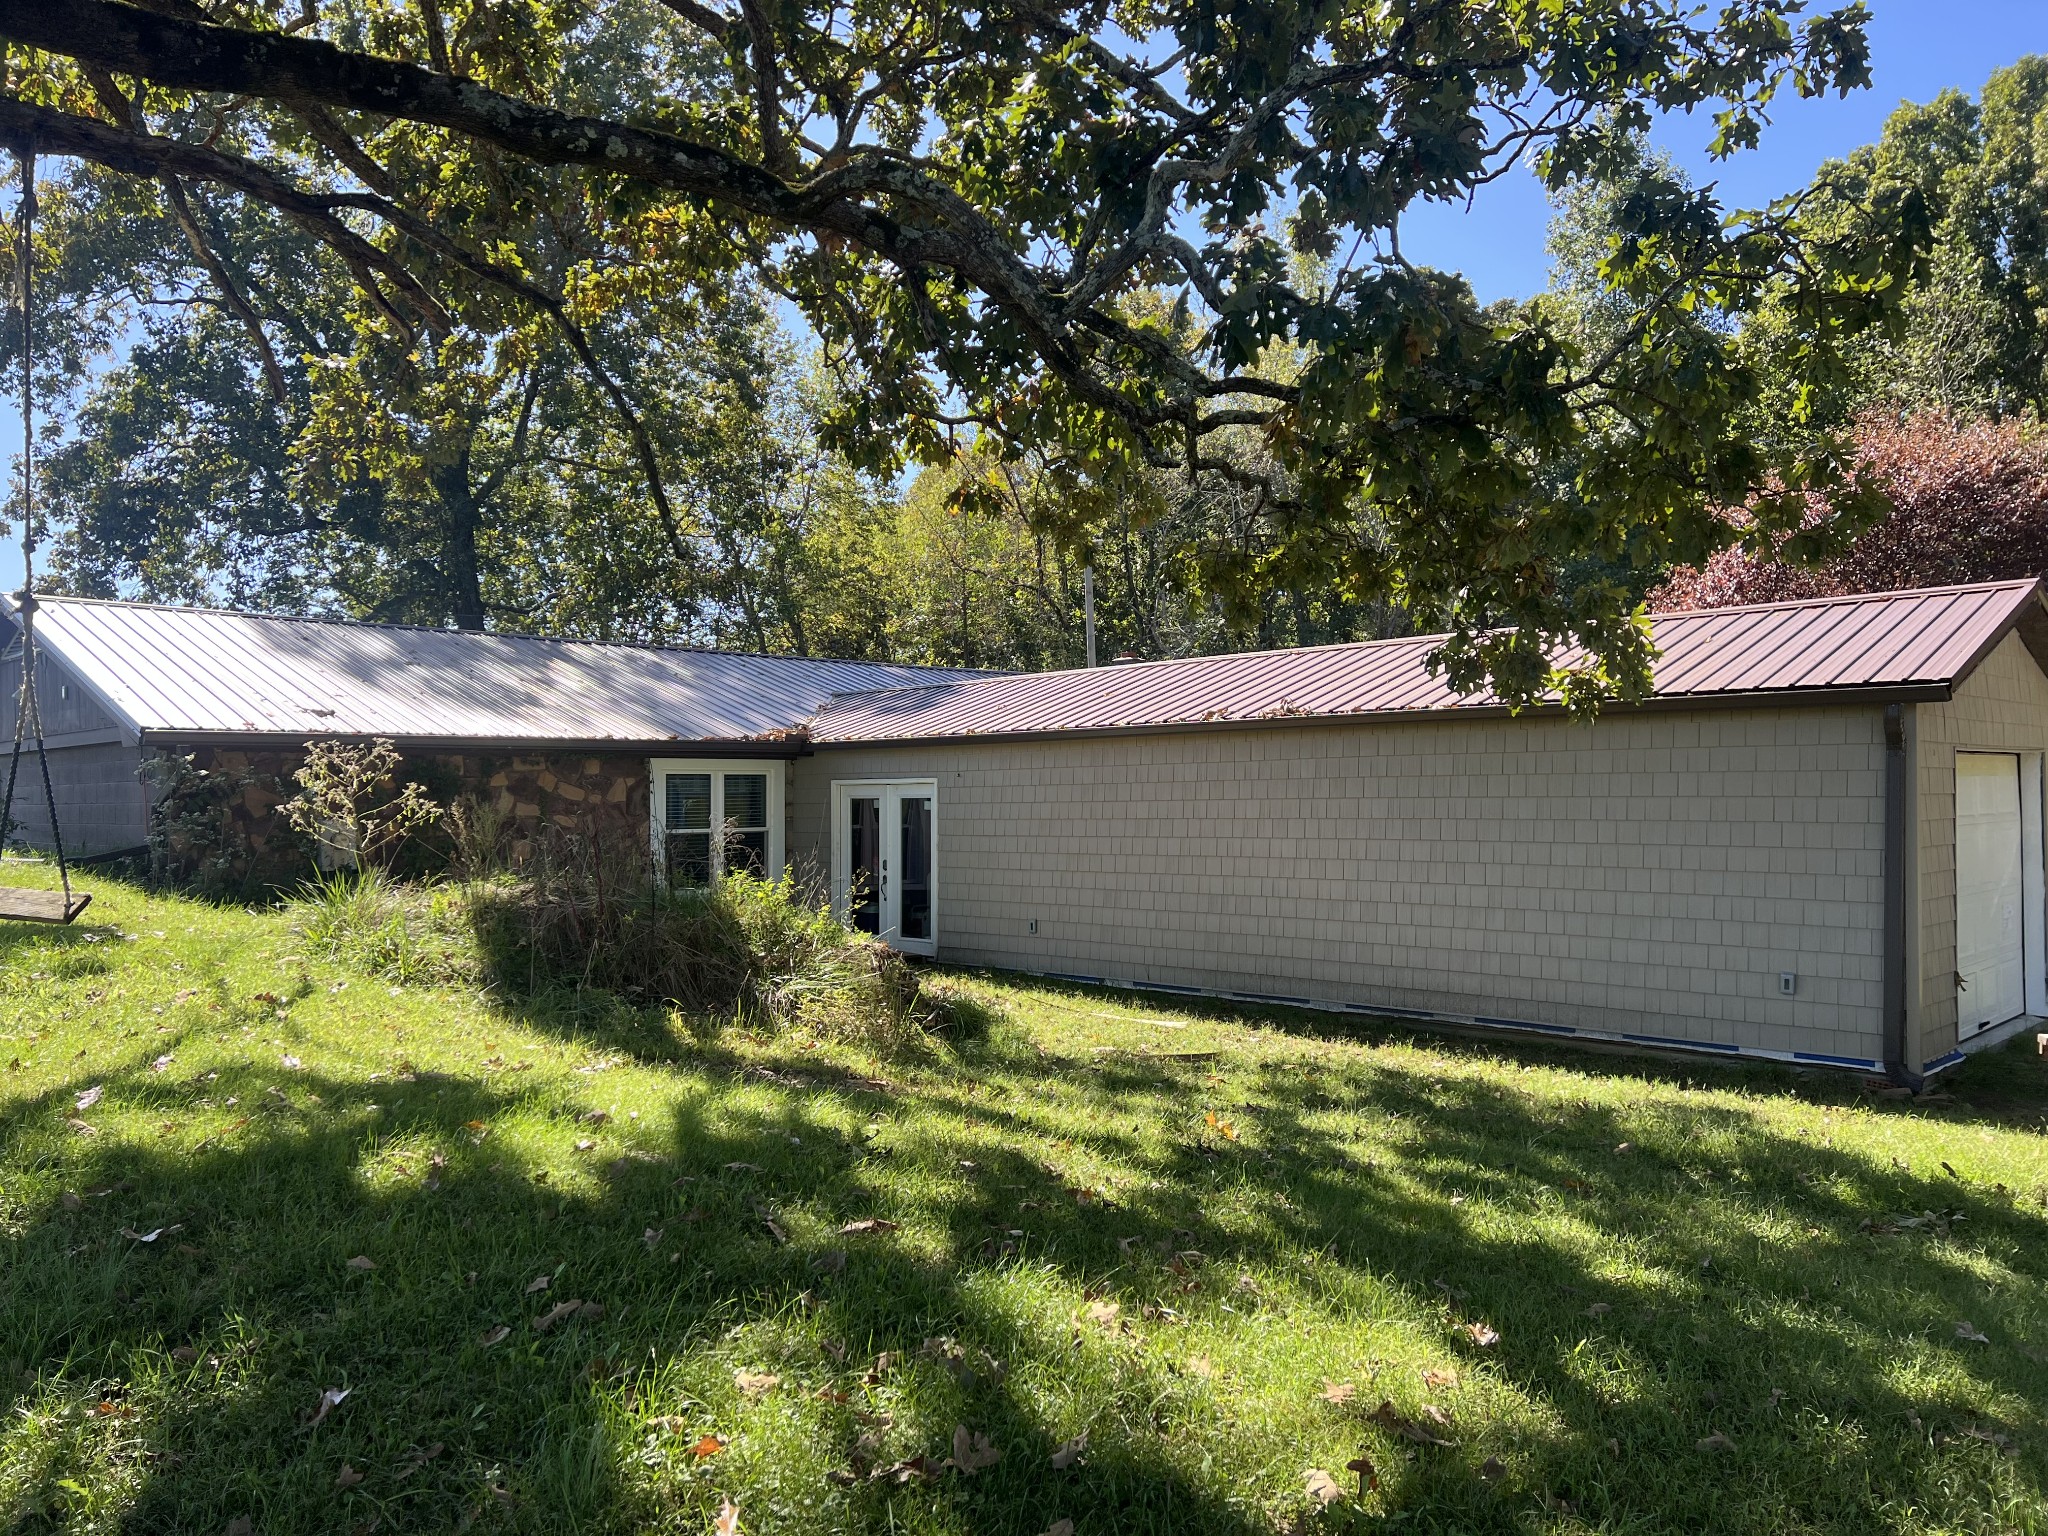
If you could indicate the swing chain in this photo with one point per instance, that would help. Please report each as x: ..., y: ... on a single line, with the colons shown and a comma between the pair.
x: 28, y: 708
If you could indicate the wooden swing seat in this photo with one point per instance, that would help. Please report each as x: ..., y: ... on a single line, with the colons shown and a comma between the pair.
x: 19, y: 904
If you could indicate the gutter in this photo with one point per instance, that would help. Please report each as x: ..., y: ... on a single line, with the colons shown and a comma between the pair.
x: 1894, y: 1003
x: 1889, y: 694
x: 670, y: 746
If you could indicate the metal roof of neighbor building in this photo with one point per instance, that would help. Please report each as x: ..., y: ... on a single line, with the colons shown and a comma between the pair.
x: 170, y: 671
x: 1904, y: 643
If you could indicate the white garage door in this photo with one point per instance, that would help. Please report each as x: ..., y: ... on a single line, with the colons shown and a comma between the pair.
x: 1989, y: 957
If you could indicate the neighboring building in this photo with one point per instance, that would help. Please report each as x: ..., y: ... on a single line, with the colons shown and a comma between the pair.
x: 1821, y: 840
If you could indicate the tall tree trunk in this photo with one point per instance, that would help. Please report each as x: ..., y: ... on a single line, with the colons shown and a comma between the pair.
x: 462, y: 583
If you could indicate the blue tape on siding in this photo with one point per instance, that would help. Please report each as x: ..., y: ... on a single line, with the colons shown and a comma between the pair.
x: 1862, y: 1062
x: 1685, y: 1045
x: 1543, y: 1029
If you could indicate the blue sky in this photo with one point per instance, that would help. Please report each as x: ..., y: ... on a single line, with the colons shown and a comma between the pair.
x: 1918, y: 48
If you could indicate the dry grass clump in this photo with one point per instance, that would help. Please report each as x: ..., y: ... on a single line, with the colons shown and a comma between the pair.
x: 579, y: 917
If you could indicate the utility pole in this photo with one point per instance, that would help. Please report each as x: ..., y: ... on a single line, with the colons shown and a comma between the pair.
x: 1088, y: 609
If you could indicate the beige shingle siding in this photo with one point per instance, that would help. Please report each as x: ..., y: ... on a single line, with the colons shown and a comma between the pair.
x: 2001, y: 707
x: 1653, y: 873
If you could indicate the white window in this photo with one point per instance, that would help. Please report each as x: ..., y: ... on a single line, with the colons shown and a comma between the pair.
x: 713, y: 816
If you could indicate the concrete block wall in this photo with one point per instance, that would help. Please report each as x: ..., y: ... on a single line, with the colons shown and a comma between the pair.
x: 2000, y: 707
x: 1651, y: 873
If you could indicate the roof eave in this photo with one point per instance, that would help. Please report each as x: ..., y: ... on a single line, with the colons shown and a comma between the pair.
x: 1906, y: 693
x: 653, y: 746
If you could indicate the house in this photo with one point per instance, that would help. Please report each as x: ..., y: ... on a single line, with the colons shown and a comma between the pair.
x: 1820, y: 841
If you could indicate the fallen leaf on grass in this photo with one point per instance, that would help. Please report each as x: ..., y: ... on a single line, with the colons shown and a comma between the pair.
x: 1337, y: 1392
x: 1103, y: 1312
x: 1717, y: 1442
x: 1438, y: 1379
x: 1482, y: 1334
x: 417, y: 1459
x: 185, y: 1354
x: 71, y: 1201
x: 972, y: 1453
x: 134, y: 1236
x: 1493, y: 1469
x: 292, y: 1063
x: 497, y: 1335
x: 1368, y: 1474
x: 1322, y: 1487
x: 559, y: 1312
x: 1059, y: 1528
x: 347, y: 1477
x: 1968, y: 1332
x: 362, y: 1262
x: 538, y: 1284
x: 1388, y: 1417
x: 707, y: 1445
x: 775, y: 1229
x: 755, y: 1383
x: 1070, y: 1453
x: 870, y: 1224
x: 920, y: 1469
x: 1436, y: 1415
x: 728, y: 1522
x: 80, y: 1127
x: 1200, y: 1366
x: 162, y: 1063
x: 1599, y: 1309
x: 241, y: 1525
x: 90, y: 1097
x: 330, y: 1400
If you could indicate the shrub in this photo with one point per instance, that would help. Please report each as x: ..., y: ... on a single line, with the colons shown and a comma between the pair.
x: 581, y: 918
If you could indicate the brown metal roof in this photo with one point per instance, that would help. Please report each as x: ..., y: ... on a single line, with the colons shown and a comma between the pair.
x: 1903, y: 642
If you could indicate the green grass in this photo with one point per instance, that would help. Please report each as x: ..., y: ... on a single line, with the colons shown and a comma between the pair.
x: 1667, y: 1252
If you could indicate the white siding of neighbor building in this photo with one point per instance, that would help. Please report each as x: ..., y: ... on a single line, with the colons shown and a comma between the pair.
x: 2000, y: 707
x: 1652, y: 873
x: 101, y: 804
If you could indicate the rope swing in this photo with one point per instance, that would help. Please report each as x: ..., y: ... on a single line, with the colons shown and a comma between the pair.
x: 18, y: 903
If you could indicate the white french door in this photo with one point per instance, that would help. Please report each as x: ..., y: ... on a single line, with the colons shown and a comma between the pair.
x: 885, y: 860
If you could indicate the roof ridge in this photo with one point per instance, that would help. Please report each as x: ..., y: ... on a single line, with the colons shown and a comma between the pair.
x: 338, y: 621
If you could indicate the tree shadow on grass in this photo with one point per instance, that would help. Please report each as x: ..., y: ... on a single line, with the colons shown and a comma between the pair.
x: 1730, y: 1259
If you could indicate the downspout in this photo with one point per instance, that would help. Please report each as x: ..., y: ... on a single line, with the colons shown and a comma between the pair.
x: 1895, y: 1064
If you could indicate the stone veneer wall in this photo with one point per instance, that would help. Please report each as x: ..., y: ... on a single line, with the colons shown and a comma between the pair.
x: 602, y: 796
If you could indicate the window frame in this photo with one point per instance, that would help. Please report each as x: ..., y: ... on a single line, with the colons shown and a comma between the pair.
x: 658, y: 769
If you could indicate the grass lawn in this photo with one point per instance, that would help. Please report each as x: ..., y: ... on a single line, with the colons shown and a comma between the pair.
x: 1134, y: 1267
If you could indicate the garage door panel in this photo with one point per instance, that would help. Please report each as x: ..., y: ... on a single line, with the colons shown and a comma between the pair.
x: 1990, y: 953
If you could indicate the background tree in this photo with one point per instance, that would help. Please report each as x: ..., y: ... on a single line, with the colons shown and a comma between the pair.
x: 971, y: 207
x: 1969, y: 502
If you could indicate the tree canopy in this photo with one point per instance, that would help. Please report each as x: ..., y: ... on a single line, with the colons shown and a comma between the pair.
x: 1110, y: 238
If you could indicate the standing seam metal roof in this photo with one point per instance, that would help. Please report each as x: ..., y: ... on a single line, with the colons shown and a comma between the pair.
x: 1893, y: 640
x: 166, y: 671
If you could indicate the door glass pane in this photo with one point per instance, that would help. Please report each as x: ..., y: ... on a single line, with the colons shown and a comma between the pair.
x: 688, y: 804
x: 864, y: 863
x: 914, y: 888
